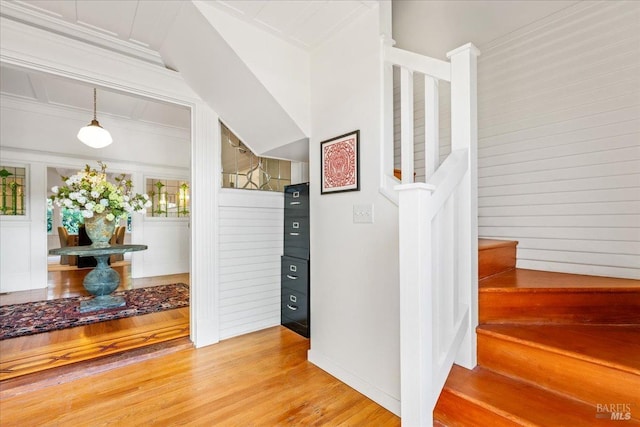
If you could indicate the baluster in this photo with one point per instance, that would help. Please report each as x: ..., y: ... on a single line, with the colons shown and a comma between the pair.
x: 431, y: 125
x: 406, y: 125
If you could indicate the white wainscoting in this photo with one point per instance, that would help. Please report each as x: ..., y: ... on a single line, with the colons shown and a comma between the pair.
x: 168, y: 241
x: 251, y: 243
x: 15, y: 262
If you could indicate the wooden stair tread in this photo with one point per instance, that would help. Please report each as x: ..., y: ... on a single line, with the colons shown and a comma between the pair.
x: 515, y: 402
x: 614, y: 346
x: 484, y: 244
x: 522, y: 279
x: 551, y: 348
x: 530, y: 296
x: 495, y: 257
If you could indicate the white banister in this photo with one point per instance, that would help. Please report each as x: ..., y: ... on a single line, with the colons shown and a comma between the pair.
x: 438, y: 239
x: 437, y: 68
x: 406, y: 125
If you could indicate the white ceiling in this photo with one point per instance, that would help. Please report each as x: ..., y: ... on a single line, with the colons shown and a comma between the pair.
x: 435, y: 27
x: 138, y: 28
x: 303, y: 23
x: 17, y: 83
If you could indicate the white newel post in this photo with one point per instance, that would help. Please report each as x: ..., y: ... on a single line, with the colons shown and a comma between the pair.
x: 416, y: 325
x: 464, y: 134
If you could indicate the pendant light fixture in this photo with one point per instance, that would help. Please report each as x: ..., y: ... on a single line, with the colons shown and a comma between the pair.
x: 93, y: 134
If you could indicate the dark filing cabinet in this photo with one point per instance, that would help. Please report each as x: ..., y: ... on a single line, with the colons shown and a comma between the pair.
x: 295, y: 262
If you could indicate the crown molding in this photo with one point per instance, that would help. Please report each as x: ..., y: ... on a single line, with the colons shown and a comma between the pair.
x: 28, y: 16
x: 38, y: 49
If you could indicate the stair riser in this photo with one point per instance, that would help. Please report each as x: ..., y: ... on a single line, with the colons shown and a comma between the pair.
x: 453, y: 410
x: 560, y: 307
x: 496, y: 260
x: 581, y: 379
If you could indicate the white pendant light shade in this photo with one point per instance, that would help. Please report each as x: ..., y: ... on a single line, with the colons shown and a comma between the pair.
x: 93, y: 134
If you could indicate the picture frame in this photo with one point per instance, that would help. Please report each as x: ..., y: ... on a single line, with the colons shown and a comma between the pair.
x: 340, y: 163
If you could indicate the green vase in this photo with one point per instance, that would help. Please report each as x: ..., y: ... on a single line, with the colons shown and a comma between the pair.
x: 99, y: 230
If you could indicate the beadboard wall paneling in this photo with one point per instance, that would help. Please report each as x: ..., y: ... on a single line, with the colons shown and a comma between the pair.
x: 559, y: 140
x: 250, y: 246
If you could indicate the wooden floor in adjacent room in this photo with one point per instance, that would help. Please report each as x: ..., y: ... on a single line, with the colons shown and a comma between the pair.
x: 258, y: 379
x: 23, y: 357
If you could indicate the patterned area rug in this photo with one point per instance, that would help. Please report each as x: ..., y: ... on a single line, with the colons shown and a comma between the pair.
x: 44, y: 316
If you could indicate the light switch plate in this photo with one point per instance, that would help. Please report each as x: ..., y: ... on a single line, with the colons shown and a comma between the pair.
x: 363, y: 214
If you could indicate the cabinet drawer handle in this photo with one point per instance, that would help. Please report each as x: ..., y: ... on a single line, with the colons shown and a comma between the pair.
x: 291, y: 277
x: 292, y: 307
x: 294, y: 203
x: 294, y: 234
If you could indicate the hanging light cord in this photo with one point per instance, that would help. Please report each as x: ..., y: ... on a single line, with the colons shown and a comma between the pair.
x: 94, y: 105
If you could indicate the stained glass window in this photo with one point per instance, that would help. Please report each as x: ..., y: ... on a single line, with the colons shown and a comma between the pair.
x: 169, y: 198
x: 13, y: 186
x: 243, y: 169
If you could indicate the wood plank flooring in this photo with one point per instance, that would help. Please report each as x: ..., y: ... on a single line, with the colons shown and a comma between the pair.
x: 258, y: 379
x: 34, y: 353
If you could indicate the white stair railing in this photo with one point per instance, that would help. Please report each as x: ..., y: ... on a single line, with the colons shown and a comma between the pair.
x: 437, y: 232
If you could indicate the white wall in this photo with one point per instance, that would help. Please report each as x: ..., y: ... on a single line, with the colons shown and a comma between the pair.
x: 559, y: 140
x: 23, y: 239
x: 251, y: 243
x: 354, y: 267
x: 280, y: 66
x: 39, y: 50
x: 140, y: 149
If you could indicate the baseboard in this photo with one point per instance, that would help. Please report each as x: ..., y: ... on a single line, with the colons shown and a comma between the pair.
x: 372, y: 392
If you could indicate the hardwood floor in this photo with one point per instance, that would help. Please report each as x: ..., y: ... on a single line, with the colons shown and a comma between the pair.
x: 81, y: 376
x: 34, y: 353
x: 258, y: 379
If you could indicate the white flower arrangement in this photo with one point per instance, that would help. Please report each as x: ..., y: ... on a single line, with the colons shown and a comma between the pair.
x: 89, y: 193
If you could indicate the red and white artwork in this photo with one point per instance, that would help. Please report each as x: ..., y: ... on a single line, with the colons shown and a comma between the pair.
x: 340, y: 163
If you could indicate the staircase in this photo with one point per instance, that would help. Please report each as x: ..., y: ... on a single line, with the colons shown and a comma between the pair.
x: 554, y: 349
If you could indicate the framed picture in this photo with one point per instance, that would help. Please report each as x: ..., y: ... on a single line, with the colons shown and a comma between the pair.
x: 340, y: 163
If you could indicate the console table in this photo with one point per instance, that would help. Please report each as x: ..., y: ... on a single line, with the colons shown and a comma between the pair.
x: 102, y: 280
